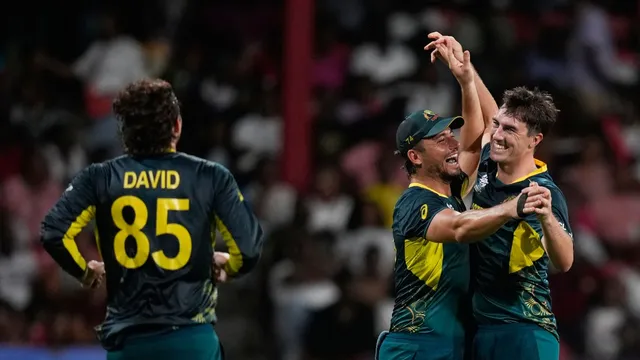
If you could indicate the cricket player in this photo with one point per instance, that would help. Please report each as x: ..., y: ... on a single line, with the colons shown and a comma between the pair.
x: 156, y: 212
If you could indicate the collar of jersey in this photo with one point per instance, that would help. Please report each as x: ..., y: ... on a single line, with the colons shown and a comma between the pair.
x: 541, y: 167
x: 415, y: 184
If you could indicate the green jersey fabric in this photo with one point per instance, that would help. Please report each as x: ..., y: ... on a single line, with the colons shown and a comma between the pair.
x: 511, y: 266
x: 431, y: 279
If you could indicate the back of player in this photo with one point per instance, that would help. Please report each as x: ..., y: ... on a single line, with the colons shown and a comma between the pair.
x: 156, y: 215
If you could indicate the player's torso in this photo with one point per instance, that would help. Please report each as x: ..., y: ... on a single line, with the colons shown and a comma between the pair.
x: 154, y: 228
x: 511, y: 266
x: 431, y: 279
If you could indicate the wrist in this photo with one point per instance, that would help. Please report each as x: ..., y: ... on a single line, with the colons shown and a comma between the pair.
x: 507, y: 211
x: 545, y: 220
x: 467, y: 84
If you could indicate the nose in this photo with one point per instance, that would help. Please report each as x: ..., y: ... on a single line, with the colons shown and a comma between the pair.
x: 453, y: 143
x: 498, y: 133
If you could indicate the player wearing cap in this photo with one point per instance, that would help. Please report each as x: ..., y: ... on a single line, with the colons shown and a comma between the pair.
x: 512, y: 300
x: 431, y: 229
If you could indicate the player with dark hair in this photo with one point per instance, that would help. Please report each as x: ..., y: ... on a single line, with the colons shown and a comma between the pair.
x: 512, y: 300
x: 431, y: 229
x: 156, y: 211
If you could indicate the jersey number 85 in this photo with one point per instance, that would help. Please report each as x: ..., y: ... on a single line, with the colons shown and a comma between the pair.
x: 163, y: 227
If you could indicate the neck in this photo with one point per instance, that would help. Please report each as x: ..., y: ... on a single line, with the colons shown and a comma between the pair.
x: 435, y: 184
x: 509, y: 173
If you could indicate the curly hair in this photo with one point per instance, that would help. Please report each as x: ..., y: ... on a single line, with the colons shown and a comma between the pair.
x: 533, y: 107
x: 147, y: 111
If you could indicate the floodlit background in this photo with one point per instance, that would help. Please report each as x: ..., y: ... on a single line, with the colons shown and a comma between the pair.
x: 301, y: 100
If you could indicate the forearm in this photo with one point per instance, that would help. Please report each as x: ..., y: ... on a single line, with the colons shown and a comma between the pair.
x: 476, y: 225
x: 472, y: 114
x: 487, y: 102
x: 557, y: 243
x: 65, y: 254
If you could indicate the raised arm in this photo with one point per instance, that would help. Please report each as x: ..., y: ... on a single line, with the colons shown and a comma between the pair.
x: 237, y: 223
x: 471, y: 132
x: 487, y: 102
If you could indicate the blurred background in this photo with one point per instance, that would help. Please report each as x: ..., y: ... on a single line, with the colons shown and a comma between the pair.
x: 300, y: 99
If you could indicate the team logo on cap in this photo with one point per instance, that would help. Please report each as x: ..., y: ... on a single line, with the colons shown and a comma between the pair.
x: 430, y: 115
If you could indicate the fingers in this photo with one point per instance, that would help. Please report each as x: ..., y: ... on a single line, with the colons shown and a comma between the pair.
x: 96, y: 266
x: 221, y: 276
x: 433, y: 44
x: 434, y: 55
x: 434, y: 35
x: 466, y: 58
x: 220, y: 258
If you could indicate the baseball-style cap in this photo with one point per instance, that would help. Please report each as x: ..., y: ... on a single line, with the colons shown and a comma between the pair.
x: 423, y: 124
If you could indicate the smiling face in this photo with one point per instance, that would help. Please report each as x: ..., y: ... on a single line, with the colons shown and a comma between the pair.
x: 511, y: 139
x: 437, y: 156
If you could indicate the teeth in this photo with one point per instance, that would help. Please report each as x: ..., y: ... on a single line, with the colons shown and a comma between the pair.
x: 499, y: 146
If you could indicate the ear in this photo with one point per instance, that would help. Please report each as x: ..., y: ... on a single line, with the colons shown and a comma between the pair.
x: 177, y: 128
x: 537, y: 139
x: 414, y: 157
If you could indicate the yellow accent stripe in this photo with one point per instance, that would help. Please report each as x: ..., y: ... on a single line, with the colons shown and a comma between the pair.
x: 69, y: 238
x: 96, y: 234
x: 526, y: 248
x: 427, y: 188
x: 541, y: 167
x: 425, y: 260
x: 235, y: 256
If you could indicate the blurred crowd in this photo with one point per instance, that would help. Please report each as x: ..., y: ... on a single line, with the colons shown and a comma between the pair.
x: 324, y: 288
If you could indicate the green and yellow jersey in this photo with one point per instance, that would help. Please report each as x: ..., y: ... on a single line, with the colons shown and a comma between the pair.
x: 431, y: 279
x: 511, y: 266
x: 155, y: 222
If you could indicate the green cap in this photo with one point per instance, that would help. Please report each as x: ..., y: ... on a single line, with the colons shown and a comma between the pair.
x: 423, y: 124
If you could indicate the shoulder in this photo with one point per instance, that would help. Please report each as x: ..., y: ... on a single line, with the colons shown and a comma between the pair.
x: 416, y: 199
x: 92, y: 172
x: 547, y: 181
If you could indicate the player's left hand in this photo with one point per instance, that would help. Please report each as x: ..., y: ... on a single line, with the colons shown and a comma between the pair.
x: 540, y: 203
x: 219, y: 260
x: 94, y: 275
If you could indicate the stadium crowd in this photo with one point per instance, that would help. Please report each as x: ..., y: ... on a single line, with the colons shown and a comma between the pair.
x: 324, y: 287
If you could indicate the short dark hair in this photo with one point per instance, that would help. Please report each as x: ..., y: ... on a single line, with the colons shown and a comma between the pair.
x: 533, y: 107
x: 408, y: 166
x: 147, y: 111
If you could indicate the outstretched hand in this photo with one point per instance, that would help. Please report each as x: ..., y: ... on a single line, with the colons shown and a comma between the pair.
x: 448, y: 41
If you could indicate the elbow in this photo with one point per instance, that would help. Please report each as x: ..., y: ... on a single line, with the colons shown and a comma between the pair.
x: 564, y: 265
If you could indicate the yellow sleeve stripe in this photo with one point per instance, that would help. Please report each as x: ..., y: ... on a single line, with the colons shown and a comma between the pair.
x: 69, y: 238
x: 97, y: 236
x: 235, y: 256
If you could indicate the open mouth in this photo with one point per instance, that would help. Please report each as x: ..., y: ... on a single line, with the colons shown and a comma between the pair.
x: 452, y: 159
x: 498, y: 146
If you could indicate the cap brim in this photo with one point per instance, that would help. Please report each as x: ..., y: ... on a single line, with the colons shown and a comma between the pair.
x: 446, y: 123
